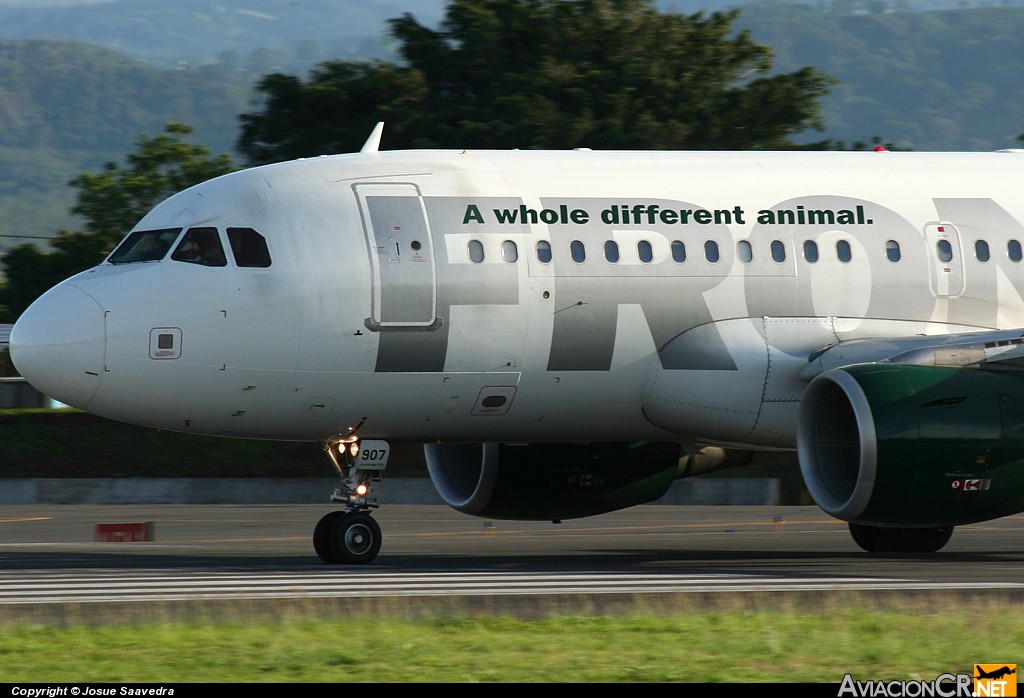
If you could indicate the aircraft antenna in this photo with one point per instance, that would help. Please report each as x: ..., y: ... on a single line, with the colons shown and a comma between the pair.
x: 372, y: 144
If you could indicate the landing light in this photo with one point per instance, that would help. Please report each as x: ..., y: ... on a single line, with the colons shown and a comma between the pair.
x: 345, y: 445
x: 361, y: 490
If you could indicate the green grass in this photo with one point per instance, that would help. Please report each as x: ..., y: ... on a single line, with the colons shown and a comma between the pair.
x: 678, y: 640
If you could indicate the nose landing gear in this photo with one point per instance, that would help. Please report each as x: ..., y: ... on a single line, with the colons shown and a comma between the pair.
x: 352, y: 536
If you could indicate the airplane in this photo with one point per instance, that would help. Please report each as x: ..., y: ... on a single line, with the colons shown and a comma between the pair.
x: 567, y: 332
x: 996, y: 674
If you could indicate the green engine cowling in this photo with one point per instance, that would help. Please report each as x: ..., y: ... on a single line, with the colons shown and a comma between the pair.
x: 550, y: 481
x: 906, y: 445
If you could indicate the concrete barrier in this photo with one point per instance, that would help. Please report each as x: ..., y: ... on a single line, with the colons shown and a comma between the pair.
x: 713, y: 491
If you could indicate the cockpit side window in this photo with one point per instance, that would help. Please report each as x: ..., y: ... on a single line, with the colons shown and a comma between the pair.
x: 249, y: 247
x: 201, y: 246
x: 144, y: 246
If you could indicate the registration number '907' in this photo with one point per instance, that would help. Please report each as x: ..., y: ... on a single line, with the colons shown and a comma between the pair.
x: 373, y: 454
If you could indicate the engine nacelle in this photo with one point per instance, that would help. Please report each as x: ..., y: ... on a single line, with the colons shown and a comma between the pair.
x: 906, y: 445
x: 550, y: 481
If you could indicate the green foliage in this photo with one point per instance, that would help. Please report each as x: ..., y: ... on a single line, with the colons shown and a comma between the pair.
x: 546, y: 74
x: 103, y: 448
x: 6, y: 366
x: 333, y: 113
x: 111, y: 203
x: 26, y: 277
x: 31, y: 272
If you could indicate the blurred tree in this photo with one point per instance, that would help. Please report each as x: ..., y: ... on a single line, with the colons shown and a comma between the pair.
x: 333, y: 113
x: 115, y: 199
x: 27, y: 278
x: 111, y: 202
x: 545, y: 74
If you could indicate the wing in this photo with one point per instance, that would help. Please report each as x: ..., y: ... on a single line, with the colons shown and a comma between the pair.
x: 989, y: 349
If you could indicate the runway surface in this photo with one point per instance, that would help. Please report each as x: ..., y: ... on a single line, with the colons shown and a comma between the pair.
x: 48, y: 555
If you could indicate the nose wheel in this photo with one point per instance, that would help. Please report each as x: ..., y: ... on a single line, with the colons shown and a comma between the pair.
x: 352, y: 536
x: 347, y: 537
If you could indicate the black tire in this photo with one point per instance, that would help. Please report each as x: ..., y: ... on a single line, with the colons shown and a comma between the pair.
x: 322, y: 537
x: 355, y: 538
x: 922, y: 540
x: 873, y: 539
x: 900, y: 539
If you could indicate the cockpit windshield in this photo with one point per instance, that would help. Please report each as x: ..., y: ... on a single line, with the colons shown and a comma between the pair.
x: 201, y: 246
x: 144, y: 246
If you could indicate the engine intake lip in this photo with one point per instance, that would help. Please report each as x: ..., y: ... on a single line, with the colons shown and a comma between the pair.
x: 836, y: 444
x: 464, y: 475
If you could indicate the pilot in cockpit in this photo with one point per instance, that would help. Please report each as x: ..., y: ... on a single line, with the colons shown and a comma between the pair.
x: 201, y: 246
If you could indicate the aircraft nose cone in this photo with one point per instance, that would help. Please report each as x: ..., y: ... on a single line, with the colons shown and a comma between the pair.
x: 58, y: 345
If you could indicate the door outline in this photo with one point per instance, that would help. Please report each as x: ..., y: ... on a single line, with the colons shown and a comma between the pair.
x: 947, y: 277
x: 401, y: 253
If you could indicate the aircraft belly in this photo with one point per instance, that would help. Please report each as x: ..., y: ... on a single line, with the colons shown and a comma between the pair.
x: 473, y: 407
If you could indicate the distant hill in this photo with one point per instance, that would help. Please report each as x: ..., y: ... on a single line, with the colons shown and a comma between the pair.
x: 839, y: 7
x: 942, y: 80
x: 68, y: 107
x: 170, y: 33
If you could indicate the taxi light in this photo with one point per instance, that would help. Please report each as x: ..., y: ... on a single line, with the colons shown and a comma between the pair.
x: 354, y: 449
x: 361, y: 490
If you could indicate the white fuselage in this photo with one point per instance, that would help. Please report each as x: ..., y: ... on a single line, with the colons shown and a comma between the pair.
x: 533, y: 296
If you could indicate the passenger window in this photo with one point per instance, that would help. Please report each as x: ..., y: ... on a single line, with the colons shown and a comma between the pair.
x: 811, y: 251
x: 544, y: 251
x: 678, y: 251
x: 778, y: 251
x: 843, y: 251
x: 944, y: 250
x: 611, y: 251
x: 145, y: 246
x: 476, y: 251
x: 250, y: 248
x: 578, y: 251
x: 711, y: 251
x: 644, y: 251
x: 981, y: 250
x: 892, y: 251
x: 510, y: 252
x: 201, y: 246
x: 1013, y: 250
x: 744, y: 251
